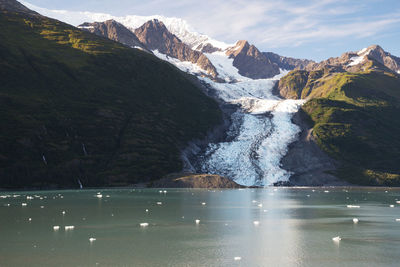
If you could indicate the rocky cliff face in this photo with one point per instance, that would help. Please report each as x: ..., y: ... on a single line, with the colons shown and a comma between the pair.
x: 287, y: 63
x: 251, y: 62
x: 115, y: 31
x: 359, y: 61
x: 156, y: 36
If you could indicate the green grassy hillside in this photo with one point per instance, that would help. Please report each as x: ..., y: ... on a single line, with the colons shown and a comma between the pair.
x: 355, y: 119
x: 77, y: 106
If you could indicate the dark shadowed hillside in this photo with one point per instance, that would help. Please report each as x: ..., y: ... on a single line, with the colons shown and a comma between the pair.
x: 77, y: 106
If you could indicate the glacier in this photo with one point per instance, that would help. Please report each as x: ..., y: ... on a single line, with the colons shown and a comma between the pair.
x: 261, y: 128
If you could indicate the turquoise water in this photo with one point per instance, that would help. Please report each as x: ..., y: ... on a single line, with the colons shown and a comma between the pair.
x: 296, y: 227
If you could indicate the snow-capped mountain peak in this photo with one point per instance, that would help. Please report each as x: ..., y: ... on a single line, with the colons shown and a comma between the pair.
x: 176, y: 26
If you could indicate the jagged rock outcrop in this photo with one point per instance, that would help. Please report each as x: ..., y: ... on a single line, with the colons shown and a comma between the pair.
x: 190, y: 180
x: 156, y: 36
x: 207, y: 48
x: 115, y: 31
x: 251, y: 62
x: 287, y: 63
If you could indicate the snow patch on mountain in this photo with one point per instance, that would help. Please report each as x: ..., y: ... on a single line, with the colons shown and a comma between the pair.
x: 185, y: 66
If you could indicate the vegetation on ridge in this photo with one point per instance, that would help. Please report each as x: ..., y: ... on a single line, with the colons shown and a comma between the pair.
x: 77, y: 106
x: 355, y: 119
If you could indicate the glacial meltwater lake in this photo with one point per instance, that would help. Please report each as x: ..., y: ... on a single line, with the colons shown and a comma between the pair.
x: 249, y: 227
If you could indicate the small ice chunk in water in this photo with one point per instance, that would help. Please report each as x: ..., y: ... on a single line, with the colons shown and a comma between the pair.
x: 24, y: 204
x: 326, y: 191
x: 237, y: 258
x: 159, y: 203
x: 69, y: 227
x: 197, y: 221
x: 160, y: 191
x: 392, y: 206
x: 99, y: 195
x: 147, y: 210
x: 92, y: 239
x: 144, y: 224
x: 353, y: 206
x: 259, y: 205
x: 63, y: 212
x: 165, y: 191
x: 355, y: 220
x: 30, y: 219
x: 254, y: 201
x: 397, y: 220
x: 56, y: 228
x: 336, y: 238
x: 203, y: 203
x: 256, y: 223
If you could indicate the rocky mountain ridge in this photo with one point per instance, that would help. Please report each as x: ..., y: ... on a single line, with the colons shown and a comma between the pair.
x: 156, y: 36
x: 115, y: 31
x: 359, y: 61
x: 251, y: 62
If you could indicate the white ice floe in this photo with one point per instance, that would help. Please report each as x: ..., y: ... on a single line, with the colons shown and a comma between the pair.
x: 197, y: 221
x: 159, y: 203
x: 237, y: 258
x: 397, y: 220
x: 391, y: 206
x: 69, y: 227
x: 24, y: 204
x: 203, y: 203
x: 336, y: 238
x: 92, y: 239
x: 63, y: 212
x: 353, y: 206
x: 99, y: 195
x: 56, y: 227
x: 355, y: 220
x: 260, y: 205
x: 144, y: 224
x: 256, y: 223
x: 147, y: 210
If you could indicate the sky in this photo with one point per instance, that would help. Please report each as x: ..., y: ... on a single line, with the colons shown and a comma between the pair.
x: 312, y: 29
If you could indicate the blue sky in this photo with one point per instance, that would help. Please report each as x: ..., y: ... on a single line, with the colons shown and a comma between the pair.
x: 314, y: 29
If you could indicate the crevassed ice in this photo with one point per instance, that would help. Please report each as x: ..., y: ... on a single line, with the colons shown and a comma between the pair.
x: 261, y: 129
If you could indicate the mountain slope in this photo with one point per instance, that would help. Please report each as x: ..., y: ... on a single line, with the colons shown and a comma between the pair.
x: 358, y: 61
x: 287, y: 63
x: 354, y: 116
x: 155, y: 36
x: 115, y: 31
x: 77, y: 106
x: 251, y: 62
